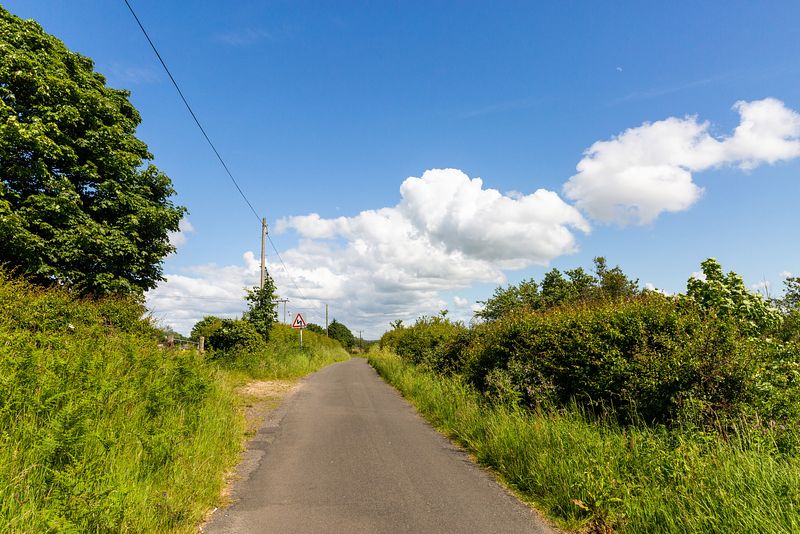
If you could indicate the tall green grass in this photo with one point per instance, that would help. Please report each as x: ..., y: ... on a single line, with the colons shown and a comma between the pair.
x: 588, y: 473
x: 286, y: 359
x: 102, y: 430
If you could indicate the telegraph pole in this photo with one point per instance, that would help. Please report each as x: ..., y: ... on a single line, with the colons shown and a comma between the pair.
x: 263, y: 251
x: 326, y: 320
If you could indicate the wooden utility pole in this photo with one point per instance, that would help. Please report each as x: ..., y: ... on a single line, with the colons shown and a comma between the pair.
x: 326, y: 320
x: 263, y: 251
x: 278, y: 301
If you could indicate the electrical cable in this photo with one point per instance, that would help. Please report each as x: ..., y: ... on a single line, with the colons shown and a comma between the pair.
x: 191, y: 112
x: 210, y: 143
x: 284, y: 267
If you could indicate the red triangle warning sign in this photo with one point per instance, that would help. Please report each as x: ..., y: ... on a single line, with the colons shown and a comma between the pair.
x: 299, y: 322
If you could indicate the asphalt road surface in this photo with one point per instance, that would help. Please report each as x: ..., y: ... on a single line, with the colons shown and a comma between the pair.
x: 346, y: 453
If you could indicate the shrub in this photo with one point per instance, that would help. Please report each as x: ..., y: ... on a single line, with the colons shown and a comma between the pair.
x: 205, y: 327
x: 727, y: 297
x: 433, y: 341
x: 236, y: 342
x: 317, y: 329
x: 652, y: 358
x: 645, y: 358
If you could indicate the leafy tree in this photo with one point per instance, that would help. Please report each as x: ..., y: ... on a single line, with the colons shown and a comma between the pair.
x: 791, y: 300
x: 317, y: 329
x: 790, y: 306
x: 728, y: 297
x: 342, y: 334
x: 505, y: 300
x: 556, y: 289
x: 397, y: 324
x: 79, y: 205
x: 583, y: 285
x: 205, y: 327
x: 262, y: 309
x: 614, y: 284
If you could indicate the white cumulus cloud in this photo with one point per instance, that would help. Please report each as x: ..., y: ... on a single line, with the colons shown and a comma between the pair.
x: 447, y: 232
x: 210, y: 289
x: 179, y: 238
x: 647, y: 170
x: 460, y: 301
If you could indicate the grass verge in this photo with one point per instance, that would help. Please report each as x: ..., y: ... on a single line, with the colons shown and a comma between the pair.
x: 593, y: 475
x: 102, y: 430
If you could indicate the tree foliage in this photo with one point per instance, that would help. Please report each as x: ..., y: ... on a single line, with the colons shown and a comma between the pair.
x: 235, y: 335
x: 556, y: 289
x: 262, y: 309
x: 79, y: 204
x: 791, y: 300
x: 317, y: 329
x: 205, y: 327
x: 342, y: 334
x: 728, y: 297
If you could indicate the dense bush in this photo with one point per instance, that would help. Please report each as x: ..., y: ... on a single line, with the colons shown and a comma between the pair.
x: 556, y: 289
x: 205, y: 327
x: 235, y: 335
x: 435, y: 342
x: 649, y: 358
x: 705, y: 358
x: 317, y: 329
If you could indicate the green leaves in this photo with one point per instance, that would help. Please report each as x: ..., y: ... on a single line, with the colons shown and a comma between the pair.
x: 728, y: 297
x: 342, y: 334
x: 556, y: 290
x: 262, y: 310
x: 79, y: 204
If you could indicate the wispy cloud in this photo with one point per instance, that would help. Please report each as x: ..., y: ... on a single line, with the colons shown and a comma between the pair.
x: 657, y: 92
x: 505, y: 105
x: 243, y: 37
x: 761, y: 287
x: 124, y: 75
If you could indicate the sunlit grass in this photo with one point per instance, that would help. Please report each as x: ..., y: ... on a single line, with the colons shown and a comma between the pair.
x: 589, y: 473
x: 101, y: 430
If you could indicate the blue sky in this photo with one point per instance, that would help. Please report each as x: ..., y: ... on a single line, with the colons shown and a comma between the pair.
x: 327, y: 108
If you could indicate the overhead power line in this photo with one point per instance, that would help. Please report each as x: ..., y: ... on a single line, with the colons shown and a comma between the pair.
x: 284, y: 267
x: 210, y: 143
x: 191, y: 112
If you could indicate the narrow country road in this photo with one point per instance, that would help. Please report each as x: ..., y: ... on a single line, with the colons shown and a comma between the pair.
x: 348, y: 454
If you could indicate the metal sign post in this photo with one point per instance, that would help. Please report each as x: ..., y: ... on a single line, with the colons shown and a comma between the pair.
x: 299, y: 323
